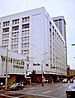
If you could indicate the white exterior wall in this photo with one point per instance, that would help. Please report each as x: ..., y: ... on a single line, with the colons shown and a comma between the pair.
x: 12, y: 67
x: 36, y: 36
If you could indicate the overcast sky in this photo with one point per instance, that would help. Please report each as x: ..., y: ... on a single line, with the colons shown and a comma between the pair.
x: 64, y: 8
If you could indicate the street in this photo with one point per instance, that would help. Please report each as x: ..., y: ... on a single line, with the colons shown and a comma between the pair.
x: 51, y: 90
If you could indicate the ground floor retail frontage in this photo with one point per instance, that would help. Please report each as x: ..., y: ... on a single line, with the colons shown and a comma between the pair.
x: 14, y: 78
x: 37, y: 78
x: 32, y: 78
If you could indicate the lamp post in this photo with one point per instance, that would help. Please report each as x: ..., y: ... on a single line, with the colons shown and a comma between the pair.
x: 42, y: 73
x: 6, y: 81
x: 42, y: 69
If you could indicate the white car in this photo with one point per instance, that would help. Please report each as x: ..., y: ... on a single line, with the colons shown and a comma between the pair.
x: 16, y: 86
x: 65, y: 80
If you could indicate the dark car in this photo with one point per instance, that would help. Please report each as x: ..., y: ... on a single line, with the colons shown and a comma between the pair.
x: 71, y: 80
x: 16, y: 86
x: 71, y: 91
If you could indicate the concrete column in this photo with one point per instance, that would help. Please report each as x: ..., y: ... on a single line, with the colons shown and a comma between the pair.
x: 10, y: 34
x: 20, y: 36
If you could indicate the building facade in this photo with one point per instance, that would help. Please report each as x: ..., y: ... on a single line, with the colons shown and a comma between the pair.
x: 34, y: 34
x: 12, y: 64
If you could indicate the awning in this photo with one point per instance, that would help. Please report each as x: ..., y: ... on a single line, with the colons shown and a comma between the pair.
x: 2, y: 76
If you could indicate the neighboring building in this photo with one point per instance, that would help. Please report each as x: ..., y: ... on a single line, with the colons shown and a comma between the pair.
x: 34, y: 34
x: 15, y: 66
x: 61, y: 25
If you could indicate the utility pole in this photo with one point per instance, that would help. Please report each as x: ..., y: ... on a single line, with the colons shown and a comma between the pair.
x: 6, y: 81
x: 42, y: 73
x: 42, y: 70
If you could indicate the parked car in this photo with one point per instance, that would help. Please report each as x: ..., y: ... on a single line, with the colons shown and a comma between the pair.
x: 2, y: 86
x: 70, y: 93
x: 16, y: 86
x: 65, y: 80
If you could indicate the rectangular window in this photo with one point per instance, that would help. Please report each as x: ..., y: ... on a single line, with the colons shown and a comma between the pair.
x: 6, y: 35
x: 15, y: 28
x: 25, y: 26
x: 6, y: 30
x: 25, y: 38
x: 25, y: 32
x: 25, y: 19
x: 15, y: 40
x: 6, y: 23
x: 15, y: 34
x: 16, y: 21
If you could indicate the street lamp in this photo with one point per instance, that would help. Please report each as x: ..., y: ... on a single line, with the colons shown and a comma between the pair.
x: 6, y: 81
x: 42, y: 69
x: 42, y: 73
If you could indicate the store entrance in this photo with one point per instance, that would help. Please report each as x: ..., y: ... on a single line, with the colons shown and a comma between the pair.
x: 19, y: 78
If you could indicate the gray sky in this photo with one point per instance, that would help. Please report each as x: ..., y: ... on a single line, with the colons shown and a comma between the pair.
x: 64, y: 8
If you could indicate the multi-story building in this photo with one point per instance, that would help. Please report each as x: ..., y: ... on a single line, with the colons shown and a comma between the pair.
x: 34, y: 34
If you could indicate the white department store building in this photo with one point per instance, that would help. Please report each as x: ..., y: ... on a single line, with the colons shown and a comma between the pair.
x: 34, y: 34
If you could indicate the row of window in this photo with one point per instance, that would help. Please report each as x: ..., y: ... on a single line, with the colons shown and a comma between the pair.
x: 5, y: 46
x: 5, y: 30
x: 15, y: 34
x: 15, y: 46
x: 25, y: 19
x: 6, y: 35
x: 25, y: 52
x: 15, y: 21
x: 24, y: 45
x: 14, y: 40
x: 6, y: 23
x: 25, y: 38
x: 15, y: 28
x: 5, y: 41
x: 25, y: 32
x: 24, y: 26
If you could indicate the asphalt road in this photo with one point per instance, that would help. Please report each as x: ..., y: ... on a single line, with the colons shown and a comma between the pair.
x: 51, y: 90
